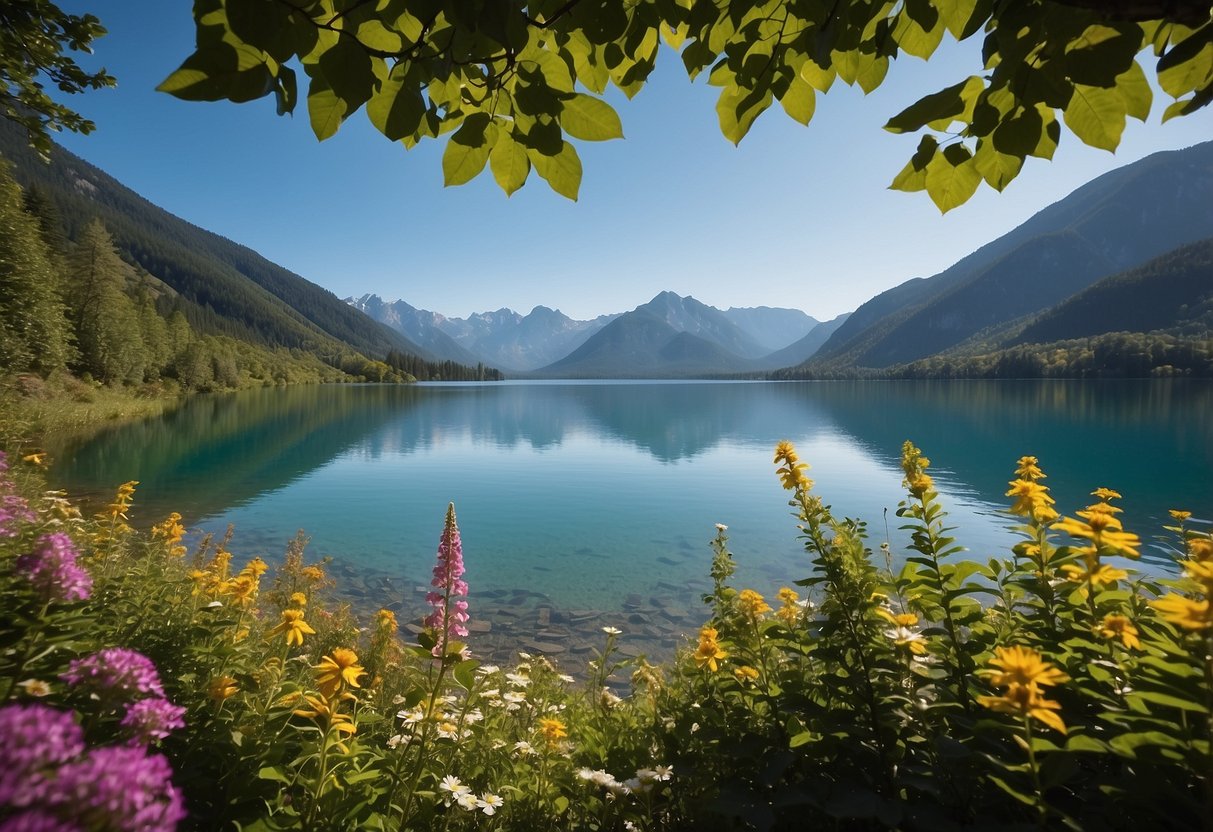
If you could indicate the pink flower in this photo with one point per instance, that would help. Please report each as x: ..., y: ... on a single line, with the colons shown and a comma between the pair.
x: 449, y: 596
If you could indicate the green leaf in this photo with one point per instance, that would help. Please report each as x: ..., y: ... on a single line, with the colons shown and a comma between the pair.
x: 396, y: 111
x: 1188, y: 65
x: 800, y: 100
x: 325, y: 108
x: 468, y: 150
x: 1096, y: 115
x: 1135, y: 90
x: 263, y: 24
x: 590, y: 119
x: 562, y: 171
x: 465, y: 673
x: 949, y: 104
x: 509, y: 163
x: 737, y: 108
x: 952, y: 177
x: 218, y: 71
x: 913, y: 176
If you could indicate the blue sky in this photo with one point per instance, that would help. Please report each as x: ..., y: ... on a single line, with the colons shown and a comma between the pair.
x: 795, y: 216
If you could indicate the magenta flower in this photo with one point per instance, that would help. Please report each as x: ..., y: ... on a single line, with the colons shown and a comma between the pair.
x: 120, y: 788
x: 152, y: 719
x: 115, y: 671
x: 52, y: 569
x: 450, y: 617
x: 38, y: 820
x: 34, y: 740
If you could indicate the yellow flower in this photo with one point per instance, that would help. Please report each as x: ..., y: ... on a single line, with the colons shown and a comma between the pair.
x: 1031, y: 500
x: 552, y: 730
x: 1105, y: 494
x: 752, y: 605
x: 915, y: 465
x: 172, y: 532
x: 790, y: 612
x: 708, y: 653
x: 901, y: 619
x: 293, y: 626
x: 325, y: 711
x: 1028, y: 468
x: 1120, y: 627
x: 386, y: 621
x: 255, y: 567
x: 746, y: 675
x: 221, y: 687
x: 1022, y: 671
x: 312, y: 573
x: 1179, y: 515
x: 1200, y: 548
x: 1022, y: 666
x: 1099, y: 575
x: 337, y: 669
x: 1184, y: 612
x: 242, y: 589
x: 35, y: 459
x: 298, y: 599
x: 792, y: 472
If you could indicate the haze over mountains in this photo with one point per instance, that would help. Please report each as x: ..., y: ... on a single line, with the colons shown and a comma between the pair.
x: 669, y: 335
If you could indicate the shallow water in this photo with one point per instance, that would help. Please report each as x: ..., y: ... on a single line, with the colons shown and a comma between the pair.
x: 600, y: 498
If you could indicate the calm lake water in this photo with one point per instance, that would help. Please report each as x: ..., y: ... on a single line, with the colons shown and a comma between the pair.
x: 601, y: 497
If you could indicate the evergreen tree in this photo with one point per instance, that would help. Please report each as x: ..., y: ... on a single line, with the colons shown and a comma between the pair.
x: 155, y: 332
x: 32, y: 332
x: 104, y: 319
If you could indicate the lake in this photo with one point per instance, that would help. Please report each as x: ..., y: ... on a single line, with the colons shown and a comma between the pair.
x: 584, y: 504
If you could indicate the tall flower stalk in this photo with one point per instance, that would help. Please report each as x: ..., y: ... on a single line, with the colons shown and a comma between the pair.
x: 449, y: 596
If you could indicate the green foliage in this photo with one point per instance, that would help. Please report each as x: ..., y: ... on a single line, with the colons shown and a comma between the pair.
x: 1076, y: 695
x: 512, y: 73
x: 34, y: 35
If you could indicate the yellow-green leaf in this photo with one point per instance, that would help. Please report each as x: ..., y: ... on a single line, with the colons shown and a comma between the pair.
x: 952, y: 177
x: 1135, y: 90
x: 325, y: 108
x: 562, y: 171
x: 737, y: 108
x: 590, y: 119
x: 509, y: 163
x: 468, y: 150
x: 1096, y: 115
x: 997, y: 169
x: 800, y: 100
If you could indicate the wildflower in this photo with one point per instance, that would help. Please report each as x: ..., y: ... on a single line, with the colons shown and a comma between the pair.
x: 115, y: 671
x: 524, y: 748
x: 35, y: 687
x: 518, y: 680
x: 152, y: 719
x: 612, y: 631
x: 1028, y: 468
x: 752, y: 605
x: 1187, y: 613
x: 1099, y: 575
x: 663, y: 772
x: 608, y: 698
x: 914, y: 464
x: 552, y: 730
x: 338, y: 670
x: 1179, y: 516
x: 1100, y: 525
x: 1022, y: 672
x: 708, y: 653
x: 487, y: 670
x: 327, y: 711
x: 721, y: 527
x: 903, y: 636
x: 448, y: 730
x: 746, y: 675
x: 298, y: 599
x: 120, y: 788
x: 489, y: 803
x: 33, y: 739
x: 313, y: 574
x: 1120, y: 627
x: 468, y: 801
x: 1032, y: 500
x: 171, y: 531
x: 221, y: 687
x: 449, y: 618
x: 53, y: 572
x: 116, y: 511
x: 791, y: 609
x: 1200, y: 549
x: 513, y: 700
x: 385, y: 620
x: 791, y: 473
x: 242, y: 589
x: 293, y: 627
x: 453, y: 787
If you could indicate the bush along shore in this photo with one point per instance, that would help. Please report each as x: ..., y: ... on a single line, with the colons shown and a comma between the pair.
x: 144, y: 686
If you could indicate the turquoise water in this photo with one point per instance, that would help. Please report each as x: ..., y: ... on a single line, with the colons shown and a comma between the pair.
x: 591, y: 492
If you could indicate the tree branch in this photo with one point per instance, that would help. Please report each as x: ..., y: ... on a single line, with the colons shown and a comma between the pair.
x: 1192, y: 13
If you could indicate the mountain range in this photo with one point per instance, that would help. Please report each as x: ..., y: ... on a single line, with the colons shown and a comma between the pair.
x: 669, y: 335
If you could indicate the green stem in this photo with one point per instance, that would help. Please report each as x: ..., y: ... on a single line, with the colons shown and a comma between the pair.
x: 1038, y: 792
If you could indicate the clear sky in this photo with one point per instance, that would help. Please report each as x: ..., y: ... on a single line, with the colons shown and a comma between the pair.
x: 795, y: 216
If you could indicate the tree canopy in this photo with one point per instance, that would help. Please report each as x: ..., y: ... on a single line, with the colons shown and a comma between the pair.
x: 33, y: 37
x: 513, y: 81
